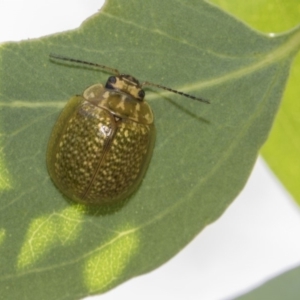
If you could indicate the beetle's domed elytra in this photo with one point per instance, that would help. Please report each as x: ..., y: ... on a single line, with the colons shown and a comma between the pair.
x: 101, y: 145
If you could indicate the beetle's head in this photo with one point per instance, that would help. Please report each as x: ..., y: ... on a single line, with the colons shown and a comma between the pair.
x: 126, y: 84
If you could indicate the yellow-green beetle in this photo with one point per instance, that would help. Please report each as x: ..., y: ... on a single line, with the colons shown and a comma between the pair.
x: 102, y: 142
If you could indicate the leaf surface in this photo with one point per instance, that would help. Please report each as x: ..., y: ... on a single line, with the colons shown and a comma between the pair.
x: 54, y: 249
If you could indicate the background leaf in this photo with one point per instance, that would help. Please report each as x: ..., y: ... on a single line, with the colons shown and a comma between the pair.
x: 285, y: 286
x: 151, y: 228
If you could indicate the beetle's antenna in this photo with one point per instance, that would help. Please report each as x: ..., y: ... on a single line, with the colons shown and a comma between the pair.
x: 175, y: 91
x: 60, y: 57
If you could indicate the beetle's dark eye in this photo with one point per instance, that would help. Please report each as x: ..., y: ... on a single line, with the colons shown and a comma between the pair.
x: 141, y: 94
x: 111, y: 80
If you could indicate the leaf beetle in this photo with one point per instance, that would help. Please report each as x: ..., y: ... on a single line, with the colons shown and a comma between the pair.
x: 102, y: 142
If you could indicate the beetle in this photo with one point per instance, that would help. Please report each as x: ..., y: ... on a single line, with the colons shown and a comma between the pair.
x: 102, y: 142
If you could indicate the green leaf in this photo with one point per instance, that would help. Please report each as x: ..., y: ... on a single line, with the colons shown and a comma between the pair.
x: 286, y: 286
x: 267, y: 15
x: 281, y: 151
x: 203, y: 155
